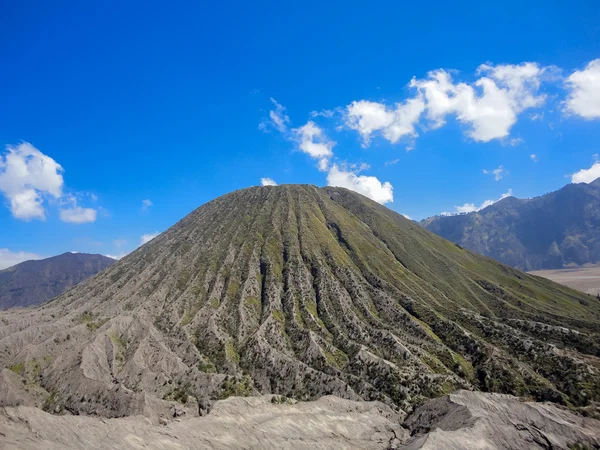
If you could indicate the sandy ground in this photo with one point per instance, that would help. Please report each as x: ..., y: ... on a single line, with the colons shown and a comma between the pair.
x: 586, y: 279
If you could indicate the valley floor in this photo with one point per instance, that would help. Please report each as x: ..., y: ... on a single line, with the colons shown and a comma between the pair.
x: 585, y: 279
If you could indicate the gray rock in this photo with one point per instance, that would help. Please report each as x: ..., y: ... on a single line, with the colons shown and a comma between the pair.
x: 473, y: 420
x: 463, y: 420
x: 235, y: 423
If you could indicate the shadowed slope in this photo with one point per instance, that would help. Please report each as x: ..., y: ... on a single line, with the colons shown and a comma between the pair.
x: 32, y: 283
x: 303, y: 292
x: 547, y: 232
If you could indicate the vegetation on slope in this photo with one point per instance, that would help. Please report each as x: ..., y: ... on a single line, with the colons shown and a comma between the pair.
x: 304, y: 292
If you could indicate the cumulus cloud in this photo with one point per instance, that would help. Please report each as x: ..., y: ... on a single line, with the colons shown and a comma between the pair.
x: 584, y: 95
x: 498, y: 173
x: 368, y: 186
x: 587, y: 175
x: 8, y: 258
x: 313, y: 141
x: 471, y: 207
x: 27, y: 176
x: 146, y: 204
x: 368, y: 117
x: 71, y: 212
x: 277, y: 118
x: 78, y: 215
x: 148, y: 237
x: 490, y: 106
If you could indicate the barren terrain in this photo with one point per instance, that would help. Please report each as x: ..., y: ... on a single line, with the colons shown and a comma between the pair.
x: 585, y: 279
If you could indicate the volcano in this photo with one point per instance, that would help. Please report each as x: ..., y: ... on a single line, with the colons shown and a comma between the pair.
x: 303, y: 292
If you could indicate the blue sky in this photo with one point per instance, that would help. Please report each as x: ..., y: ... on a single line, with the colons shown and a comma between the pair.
x: 105, y: 106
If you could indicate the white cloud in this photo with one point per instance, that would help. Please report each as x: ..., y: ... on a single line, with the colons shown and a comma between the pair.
x: 74, y: 213
x: 78, y: 215
x: 8, y: 258
x: 146, y: 204
x: 268, y: 182
x: 277, y: 118
x: 467, y: 208
x: 327, y: 113
x: 26, y: 177
x: 587, y: 175
x: 119, y: 256
x: 498, y: 173
x: 368, y: 117
x: 513, y: 142
x: 323, y: 164
x: 312, y: 141
x: 27, y: 205
x: 584, y: 96
x: 534, y: 157
x: 392, y: 162
x: 490, y: 106
x: 148, y: 237
x: 537, y: 116
x: 368, y: 186
x: 470, y: 207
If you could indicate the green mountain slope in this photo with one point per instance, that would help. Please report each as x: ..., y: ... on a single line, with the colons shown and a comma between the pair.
x: 547, y: 232
x: 303, y: 292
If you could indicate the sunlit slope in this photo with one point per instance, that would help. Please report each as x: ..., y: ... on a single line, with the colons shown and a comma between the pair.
x: 304, y: 292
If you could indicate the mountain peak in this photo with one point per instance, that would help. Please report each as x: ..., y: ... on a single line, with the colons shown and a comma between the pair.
x: 36, y: 281
x: 299, y: 291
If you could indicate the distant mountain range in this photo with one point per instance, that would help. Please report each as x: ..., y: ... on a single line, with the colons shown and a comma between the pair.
x: 35, y: 282
x: 549, y: 232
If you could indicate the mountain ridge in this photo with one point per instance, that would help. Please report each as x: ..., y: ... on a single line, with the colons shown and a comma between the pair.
x: 551, y: 231
x: 34, y: 282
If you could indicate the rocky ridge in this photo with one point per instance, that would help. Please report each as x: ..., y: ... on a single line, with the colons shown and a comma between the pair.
x: 558, y: 229
x: 32, y: 283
